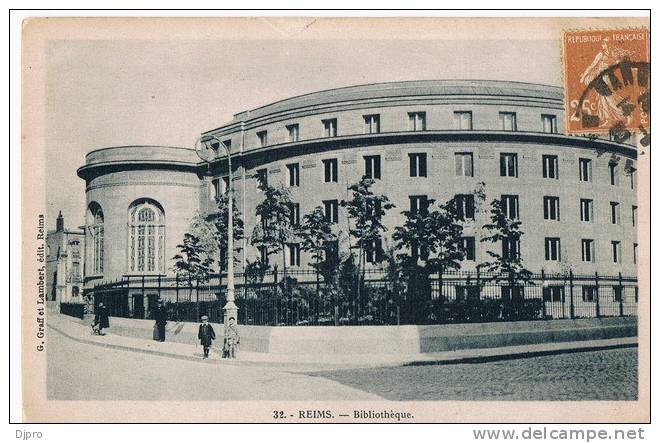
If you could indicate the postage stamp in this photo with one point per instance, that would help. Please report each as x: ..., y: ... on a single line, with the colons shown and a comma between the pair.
x: 607, y: 82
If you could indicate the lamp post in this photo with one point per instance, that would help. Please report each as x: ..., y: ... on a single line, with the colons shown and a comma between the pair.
x: 206, y: 148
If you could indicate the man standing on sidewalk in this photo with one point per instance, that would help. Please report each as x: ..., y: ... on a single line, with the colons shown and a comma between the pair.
x: 160, y: 315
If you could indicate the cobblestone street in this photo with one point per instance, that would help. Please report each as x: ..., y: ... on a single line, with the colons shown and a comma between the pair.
x: 598, y: 375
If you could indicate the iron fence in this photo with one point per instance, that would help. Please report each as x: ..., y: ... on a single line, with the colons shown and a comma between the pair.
x: 303, y: 297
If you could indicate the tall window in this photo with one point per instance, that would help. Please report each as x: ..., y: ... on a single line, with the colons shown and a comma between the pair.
x: 508, y: 121
x: 585, y: 169
x: 417, y: 164
x: 633, y: 175
x: 510, y: 248
x: 294, y: 132
x: 330, y: 170
x: 419, y: 203
x: 372, y: 124
x: 331, y: 210
x: 417, y: 121
x: 463, y: 120
x: 465, y: 206
x: 294, y: 254
x: 552, y: 249
x: 331, y: 251
x: 373, y: 251
x: 330, y: 127
x: 464, y: 165
x: 634, y: 215
x: 549, y: 123
x: 508, y: 165
x: 588, y: 253
x: 551, y: 208
x: 616, y: 251
x: 550, y: 166
x: 510, y: 206
x: 294, y: 174
x: 263, y: 138
x: 294, y: 214
x: 262, y: 175
x: 614, y: 173
x: 97, y: 234
x: 614, y: 211
x: 146, y: 227
x: 586, y: 210
x: 372, y: 166
x: 635, y: 253
x: 468, y: 248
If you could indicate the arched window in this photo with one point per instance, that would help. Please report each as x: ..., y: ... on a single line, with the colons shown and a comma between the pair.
x: 146, y: 237
x: 95, y: 228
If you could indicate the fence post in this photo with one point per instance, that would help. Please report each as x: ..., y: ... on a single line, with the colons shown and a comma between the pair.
x: 197, y: 298
x: 158, y: 286
x: 620, y: 295
x: 571, y: 306
x: 176, y: 310
x: 543, y: 286
x: 276, y: 297
x: 144, y: 305
x: 597, y: 297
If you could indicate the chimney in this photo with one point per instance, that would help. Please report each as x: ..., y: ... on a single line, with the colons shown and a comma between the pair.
x: 59, y: 226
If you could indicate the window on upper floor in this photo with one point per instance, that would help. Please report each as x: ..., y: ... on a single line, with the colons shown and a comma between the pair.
x: 95, y: 227
x: 550, y: 166
x: 262, y: 176
x: 635, y: 245
x: 294, y: 174
x: 588, y: 252
x: 552, y: 249
x: 371, y: 123
x: 294, y: 214
x: 549, y: 123
x: 417, y: 164
x: 465, y: 206
x: 468, y: 247
x: 586, y: 210
x: 585, y: 169
x: 634, y: 215
x: 551, y: 208
x: 633, y: 177
x: 510, y: 206
x: 510, y: 248
x: 616, y: 251
x: 464, y: 164
x: 419, y: 204
x: 508, y: 165
x: 463, y: 120
x: 146, y: 238
x: 373, y: 251
x: 331, y: 251
x: 417, y: 121
x: 293, y: 250
x: 330, y: 127
x: 508, y: 121
x: 331, y: 210
x: 614, y: 212
x: 372, y: 166
x: 330, y: 166
x: 614, y: 173
x: 294, y: 132
x: 263, y: 138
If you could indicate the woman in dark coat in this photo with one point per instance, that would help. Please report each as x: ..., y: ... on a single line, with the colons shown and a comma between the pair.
x: 206, y: 335
x: 160, y: 315
x: 101, y: 319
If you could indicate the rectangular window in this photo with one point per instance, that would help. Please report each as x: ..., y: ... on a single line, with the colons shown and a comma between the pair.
x: 331, y: 210
x: 616, y: 251
x: 552, y: 249
x: 614, y: 212
x: 330, y: 127
x: 508, y: 165
x: 419, y: 203
x: 330, y: 170
x: 510, y: 206
x: 549, y: 123
x: 294, y: 132
x: 508, y: 121
x: 614, y: 173
x: 262, y: 175
x: 633, y: 176
x: 468, y: 246
x: 372, y: 124
x: 588, y: 253
x: 585, y: 169
x: 331, y: 251
x: 294, y: 174
x: 550, y: 166
x: 225, y: 184
x: 294, y: 214
x: 263, y: 255
x: 227, y: 144
x: 551, y: 208
x: 417, y: 121
x: 372, y: 166
x: 217, y: 192
x: 554, y: 293
x: 373, y: 251
x: 617, y: 292
x: 464, y: 165
x: 635, y: 245
x: 634, y: 215
x: 263, y: 138
x: 510, y: 248
x: 586, y: 210
x: 294, y: 254
x: 589, y: 293
x: 463, y: 120
x: 417, y: 164
x: 465, y: 206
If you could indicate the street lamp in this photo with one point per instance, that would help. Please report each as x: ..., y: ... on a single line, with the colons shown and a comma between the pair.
x: 207, y: 148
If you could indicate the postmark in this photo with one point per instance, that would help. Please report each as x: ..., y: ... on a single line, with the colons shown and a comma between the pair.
x: 607, y: 82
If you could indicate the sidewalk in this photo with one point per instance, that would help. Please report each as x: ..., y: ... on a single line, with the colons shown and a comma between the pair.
x: 74, y: 330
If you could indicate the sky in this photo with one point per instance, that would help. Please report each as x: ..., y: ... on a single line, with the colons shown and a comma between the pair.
x: 102, y: 93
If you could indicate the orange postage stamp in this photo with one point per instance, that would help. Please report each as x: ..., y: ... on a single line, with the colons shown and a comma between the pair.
x: 607, y: 82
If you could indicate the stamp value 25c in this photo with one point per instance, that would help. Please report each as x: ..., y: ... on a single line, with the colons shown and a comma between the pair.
x: 607, y: 82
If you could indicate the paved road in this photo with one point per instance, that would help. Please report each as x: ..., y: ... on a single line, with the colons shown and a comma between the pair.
x: 79, y: 371
x: 598, y: 375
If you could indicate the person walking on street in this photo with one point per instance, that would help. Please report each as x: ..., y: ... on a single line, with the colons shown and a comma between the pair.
x: 101, y: 320
x: 160, y: 315
x: 206, y: 335
x: 232, y: 339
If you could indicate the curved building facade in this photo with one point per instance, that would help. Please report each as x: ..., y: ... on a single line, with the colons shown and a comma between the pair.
x: 575, y: 196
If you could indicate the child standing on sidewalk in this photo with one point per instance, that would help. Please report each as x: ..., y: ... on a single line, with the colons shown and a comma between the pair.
x: 206, y: 335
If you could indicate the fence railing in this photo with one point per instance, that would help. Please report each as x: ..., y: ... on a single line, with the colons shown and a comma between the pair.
x: 73, y: 309
x: 304, y: 298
